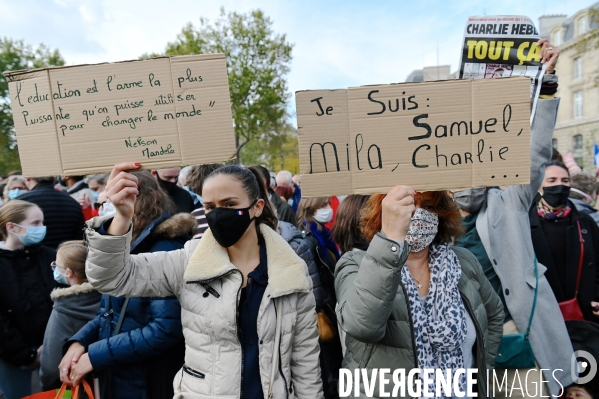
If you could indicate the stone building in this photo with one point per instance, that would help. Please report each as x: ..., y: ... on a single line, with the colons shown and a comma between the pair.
x: 577, y: 127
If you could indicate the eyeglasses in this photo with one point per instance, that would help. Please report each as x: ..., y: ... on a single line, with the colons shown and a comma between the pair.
x: 53, y: 265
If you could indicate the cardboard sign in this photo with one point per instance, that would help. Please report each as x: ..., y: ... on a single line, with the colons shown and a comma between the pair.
x: 430, y: 136
x: 162, y: 112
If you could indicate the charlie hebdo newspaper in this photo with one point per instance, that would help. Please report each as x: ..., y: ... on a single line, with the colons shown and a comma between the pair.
x: 500, y: 46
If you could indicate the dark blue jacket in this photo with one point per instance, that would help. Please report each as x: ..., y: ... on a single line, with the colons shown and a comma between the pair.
x: 149, y: 349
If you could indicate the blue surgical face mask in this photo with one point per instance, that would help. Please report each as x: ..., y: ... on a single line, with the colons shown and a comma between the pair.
x: 34, y: 235
x: 14, y: 193
x: 59, y: 277
x: 95, y: 196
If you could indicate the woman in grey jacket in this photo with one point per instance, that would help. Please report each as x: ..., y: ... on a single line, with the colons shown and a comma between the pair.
x: 411, y: 301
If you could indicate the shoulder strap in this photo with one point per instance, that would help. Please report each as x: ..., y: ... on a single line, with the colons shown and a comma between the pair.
x: 534, y: 302
x: 581, y: 258
x: 119, y: 323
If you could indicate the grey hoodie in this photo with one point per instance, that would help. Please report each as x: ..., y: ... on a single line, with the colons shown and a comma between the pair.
x: 73, y: 308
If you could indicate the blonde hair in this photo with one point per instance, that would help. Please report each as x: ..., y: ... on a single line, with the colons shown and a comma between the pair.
x: 74, y: 254
x: 11, y: 180
x: 13, y: 212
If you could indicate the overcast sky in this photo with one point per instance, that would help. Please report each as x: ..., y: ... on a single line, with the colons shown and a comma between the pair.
x: 337, y: 44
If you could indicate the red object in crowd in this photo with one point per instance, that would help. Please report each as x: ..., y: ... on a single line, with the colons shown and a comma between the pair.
x: 335, y: 206
x: 89, y: 213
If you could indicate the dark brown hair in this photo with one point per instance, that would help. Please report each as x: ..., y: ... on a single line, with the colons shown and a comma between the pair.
x: 152, y: 202
x: 251, y: 181
x: 306, y: 209
x: 199, y: 173
x: 346, y: 231
x: 450, y: 220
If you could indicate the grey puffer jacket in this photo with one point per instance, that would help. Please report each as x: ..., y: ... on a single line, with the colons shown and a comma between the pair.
x: 207, y: 285
x: 296, y: 240
x: 73, y: 308
x: 375, y: 313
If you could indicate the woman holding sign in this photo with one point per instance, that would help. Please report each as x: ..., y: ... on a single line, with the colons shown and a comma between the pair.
x: 412, y: 301
x: 248, y: 311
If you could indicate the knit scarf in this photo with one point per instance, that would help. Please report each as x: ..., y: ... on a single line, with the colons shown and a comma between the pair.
x: 439, y: 318
x: 547, y: 213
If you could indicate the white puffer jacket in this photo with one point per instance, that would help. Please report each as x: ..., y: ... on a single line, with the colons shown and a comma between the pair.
x: 208, y: 287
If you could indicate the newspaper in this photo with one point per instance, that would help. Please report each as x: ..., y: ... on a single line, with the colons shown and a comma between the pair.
x: 501, y: 46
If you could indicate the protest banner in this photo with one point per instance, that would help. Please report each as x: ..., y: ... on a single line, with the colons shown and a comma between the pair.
x: 162, y: 112
x: 431, y: 136
x: 501, y: 46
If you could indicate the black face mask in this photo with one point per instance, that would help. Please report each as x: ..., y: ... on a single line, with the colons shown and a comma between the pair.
x: 168, y: 186
x: 228, y: 225
x: 556, y: 196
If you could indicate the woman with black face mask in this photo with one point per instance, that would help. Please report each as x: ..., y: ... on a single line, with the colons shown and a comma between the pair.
x: 559, y: 232
x: 248, y: 311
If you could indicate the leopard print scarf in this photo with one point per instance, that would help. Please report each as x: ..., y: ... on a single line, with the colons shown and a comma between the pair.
x: 439, y: 318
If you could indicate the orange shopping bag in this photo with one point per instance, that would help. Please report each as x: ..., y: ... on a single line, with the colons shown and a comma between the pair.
x: 62, y: 393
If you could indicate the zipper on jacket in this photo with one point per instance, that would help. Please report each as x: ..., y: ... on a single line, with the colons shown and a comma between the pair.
x: 280, y: 358
x: 210, y: 290
x: 237, y: 314
x: 192, y: 372
x: 479, y: 342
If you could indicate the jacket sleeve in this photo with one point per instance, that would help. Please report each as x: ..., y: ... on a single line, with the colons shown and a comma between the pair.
x: 13, y: 347
x: 88, y: 334
x: 52, y: 350
x: 303, y: 251
x: 305, y: 364
x: 494, y: 308
x: 154, y: 339
x: 541, y: 133
x: 112, y: 270
x: 366, y: 291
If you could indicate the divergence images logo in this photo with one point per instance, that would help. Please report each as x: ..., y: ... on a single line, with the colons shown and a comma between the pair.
x: 585, y: 365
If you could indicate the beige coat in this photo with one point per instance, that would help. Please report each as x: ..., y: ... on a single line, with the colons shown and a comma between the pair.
x: 208, y: 287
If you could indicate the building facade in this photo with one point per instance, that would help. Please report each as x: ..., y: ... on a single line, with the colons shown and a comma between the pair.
x: 577, y: 127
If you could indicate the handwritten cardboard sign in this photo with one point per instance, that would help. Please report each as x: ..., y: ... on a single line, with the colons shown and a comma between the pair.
x: 431, y: 136
x: 162, y: 112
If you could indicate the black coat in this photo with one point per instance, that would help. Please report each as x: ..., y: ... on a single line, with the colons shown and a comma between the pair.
x: 25, y: 304
x: 589, y: 279
x: 62, y: 214
x: 284, y: 211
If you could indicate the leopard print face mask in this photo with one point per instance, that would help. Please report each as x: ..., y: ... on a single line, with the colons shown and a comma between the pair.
x: 423, y: 229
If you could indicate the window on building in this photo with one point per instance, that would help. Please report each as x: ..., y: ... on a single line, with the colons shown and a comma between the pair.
x: 582, y: 25
x: 577, y: 153
x: 578, y: 68
x: 557, y: 37
x: 554, y: 143
x: 578, y: 104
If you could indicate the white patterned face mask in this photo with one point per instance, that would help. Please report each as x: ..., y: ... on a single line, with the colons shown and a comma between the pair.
x: 423, y: 229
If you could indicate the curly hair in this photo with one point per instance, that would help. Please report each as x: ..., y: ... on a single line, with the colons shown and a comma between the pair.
x: 450, y: 220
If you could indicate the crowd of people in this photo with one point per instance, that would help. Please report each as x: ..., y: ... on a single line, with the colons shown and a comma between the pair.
x: 224, y: 281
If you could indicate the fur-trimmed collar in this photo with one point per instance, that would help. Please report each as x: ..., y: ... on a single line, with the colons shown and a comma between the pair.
x: 177, y: 225
x: 286, y: 270
x: 72, y: 290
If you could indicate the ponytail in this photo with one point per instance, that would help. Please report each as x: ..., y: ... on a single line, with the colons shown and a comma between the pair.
x: 252, y: 181
x: 268, y: 215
